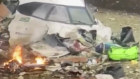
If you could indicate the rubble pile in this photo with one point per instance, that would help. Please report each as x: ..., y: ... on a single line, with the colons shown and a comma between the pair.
x: 82, y: 57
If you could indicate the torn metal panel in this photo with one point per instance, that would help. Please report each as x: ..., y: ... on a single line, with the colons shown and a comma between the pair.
x: 50, y: 47
x: 47, y: 50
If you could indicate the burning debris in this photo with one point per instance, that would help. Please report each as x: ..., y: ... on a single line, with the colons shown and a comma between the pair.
x: 12, y: 66
x: 17, y: 64
x: 40, y: 60
x: 17, y: 55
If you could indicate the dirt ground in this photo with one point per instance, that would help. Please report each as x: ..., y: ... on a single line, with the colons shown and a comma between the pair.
x: 116, y: 20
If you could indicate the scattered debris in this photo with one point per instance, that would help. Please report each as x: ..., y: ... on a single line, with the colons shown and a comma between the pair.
x: 17, y: 64
x: 116, y: 70
x: 74, y: 59
x: 82, y: 54
x: 82, y: 62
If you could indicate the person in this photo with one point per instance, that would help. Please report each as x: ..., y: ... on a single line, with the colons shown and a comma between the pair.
x: 4, y: 34
x: 4, y: 11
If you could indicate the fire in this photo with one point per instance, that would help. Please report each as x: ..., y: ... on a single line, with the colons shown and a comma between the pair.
x: 15, y: 64
x: 17, y: 55
x: 40, y: 60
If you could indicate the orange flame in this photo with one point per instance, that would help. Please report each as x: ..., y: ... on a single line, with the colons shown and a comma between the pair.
x: 40, y: 60
x: 17, y: 55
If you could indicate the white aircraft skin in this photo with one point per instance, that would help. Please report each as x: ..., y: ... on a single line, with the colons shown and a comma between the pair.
x: 26, y: 29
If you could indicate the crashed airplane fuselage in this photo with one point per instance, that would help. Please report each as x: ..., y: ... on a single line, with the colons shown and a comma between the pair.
x: 35, y: 18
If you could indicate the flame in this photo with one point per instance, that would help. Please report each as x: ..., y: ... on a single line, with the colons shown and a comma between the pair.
x: 6, y: 63
x: 40, y: 60
x: 17, y: 55
x: 16, y: 62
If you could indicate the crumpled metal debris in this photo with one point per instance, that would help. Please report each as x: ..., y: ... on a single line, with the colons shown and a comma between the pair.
x: 116, y: 70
